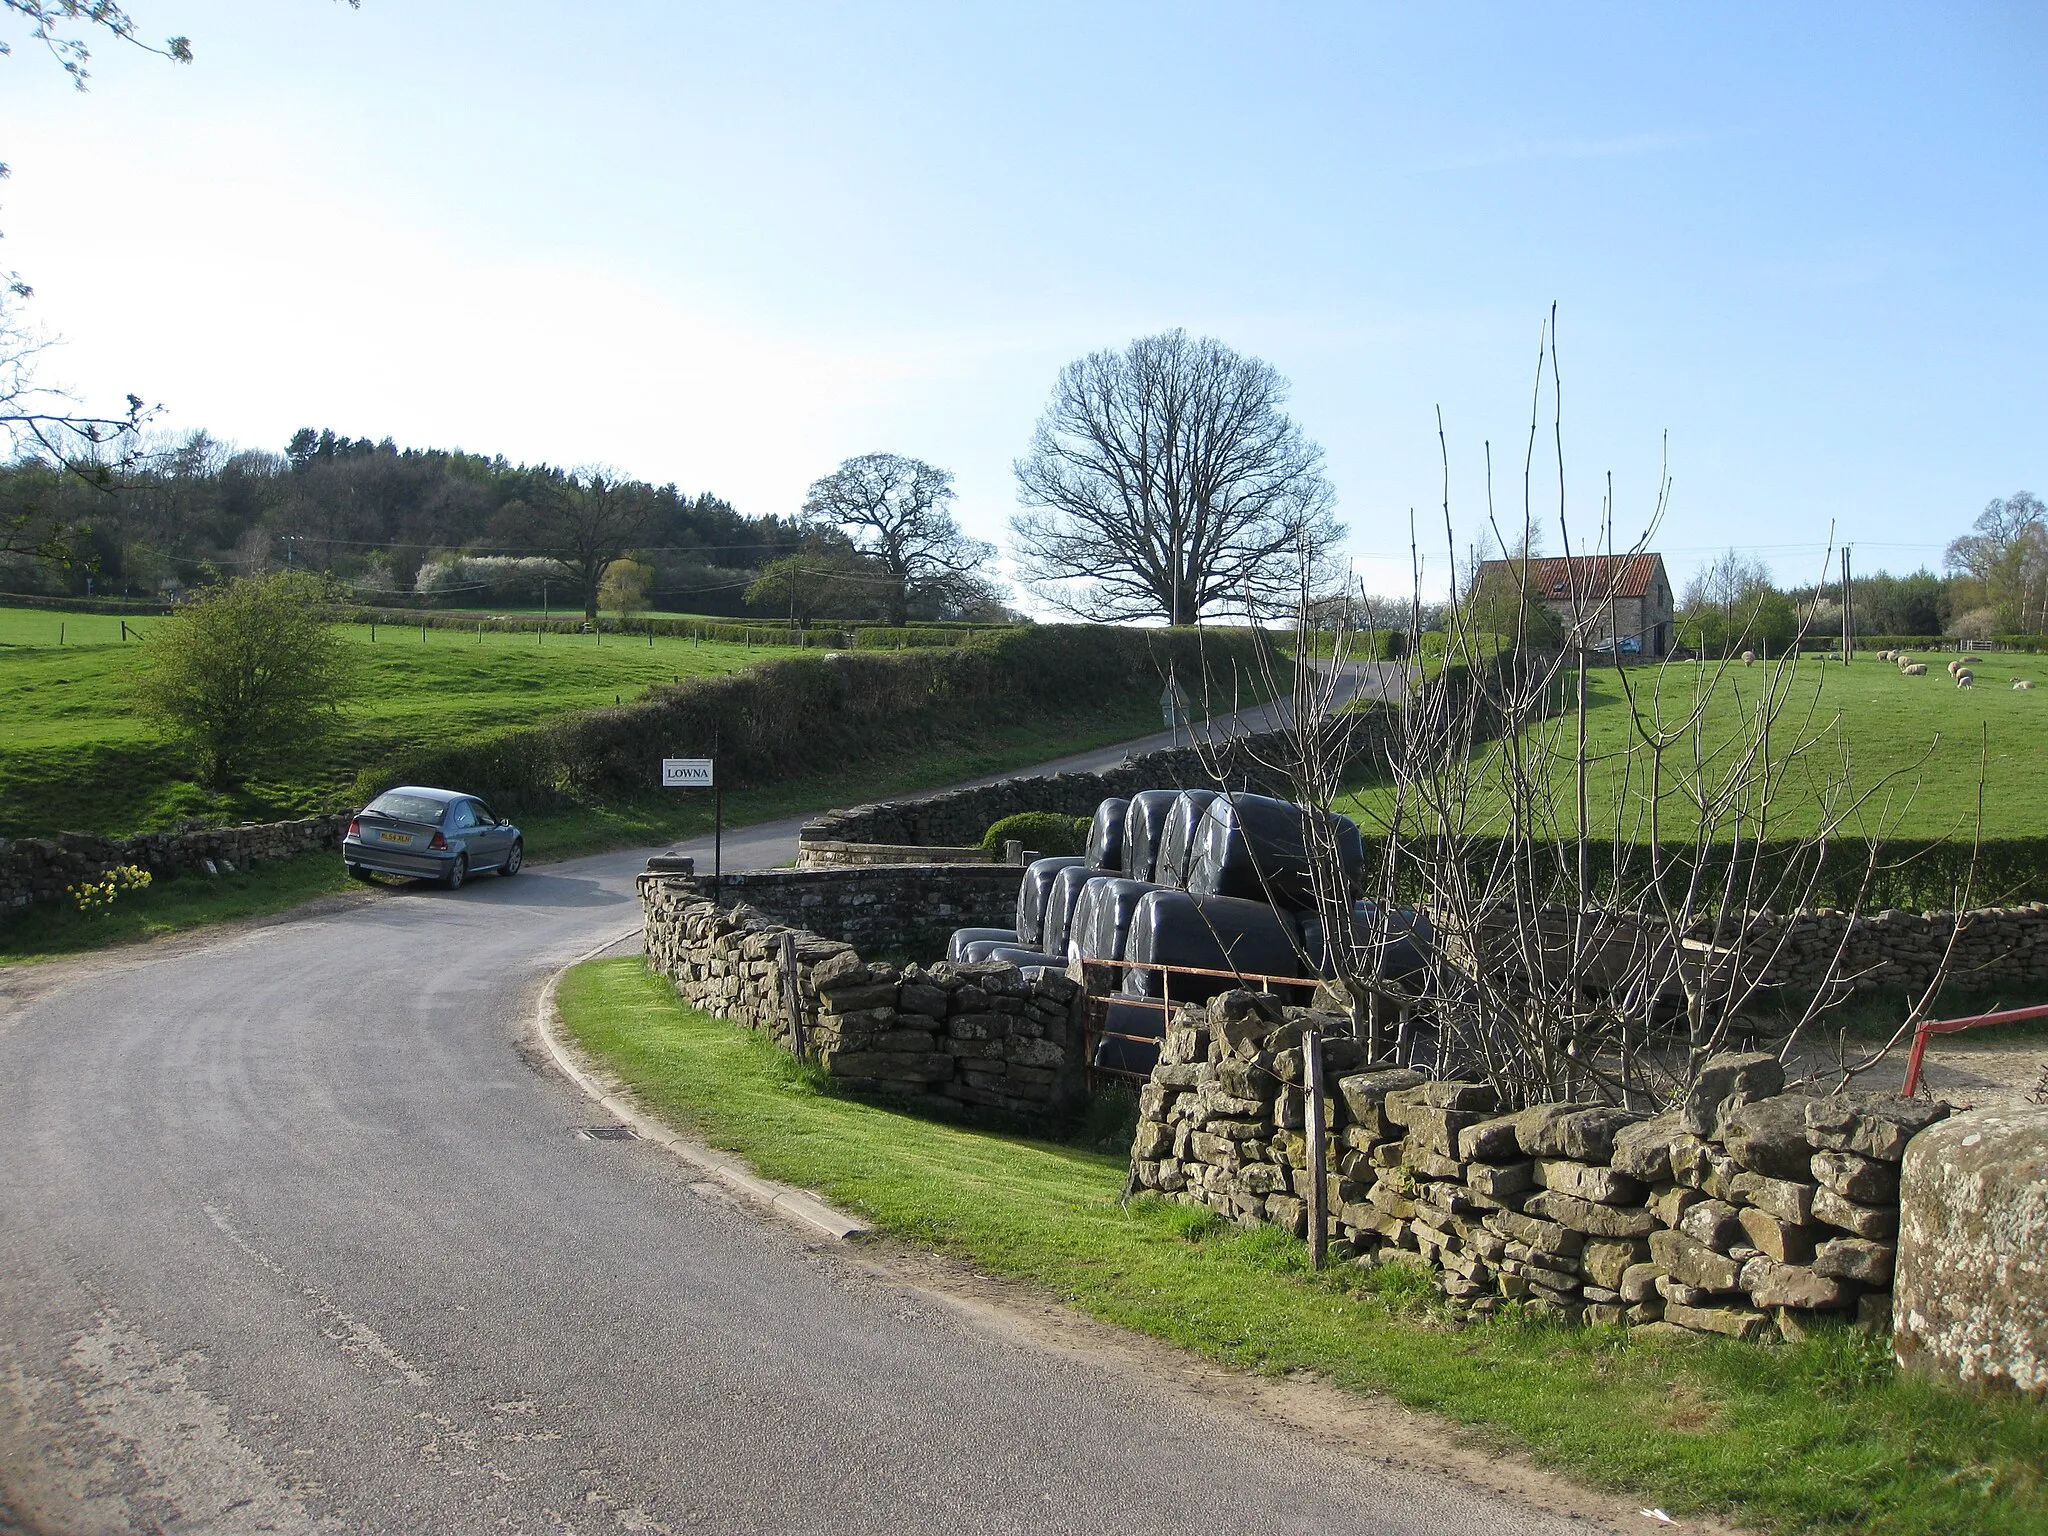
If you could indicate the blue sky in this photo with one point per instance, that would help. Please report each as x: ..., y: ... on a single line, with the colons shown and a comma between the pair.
x: 730, y: 246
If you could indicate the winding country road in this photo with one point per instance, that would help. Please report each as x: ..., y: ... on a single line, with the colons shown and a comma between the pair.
x: 297, y: 1233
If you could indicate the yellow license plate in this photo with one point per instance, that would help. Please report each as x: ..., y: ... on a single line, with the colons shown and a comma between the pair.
x: 394, y: 837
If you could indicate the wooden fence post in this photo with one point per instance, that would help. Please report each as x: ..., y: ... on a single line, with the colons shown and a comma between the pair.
x: 1318, y: 1192
x: 792, y: 996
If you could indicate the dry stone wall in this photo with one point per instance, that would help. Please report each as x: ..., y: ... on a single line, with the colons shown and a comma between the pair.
x: 891, y: 909
x: 34, y: 869
x: 960, y: 816
x: 958, y: 1037
x: 1998, y: 948
x: 1744, y: 1209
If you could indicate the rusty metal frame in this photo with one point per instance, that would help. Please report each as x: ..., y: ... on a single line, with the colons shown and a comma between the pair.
x: 1928, y: 1027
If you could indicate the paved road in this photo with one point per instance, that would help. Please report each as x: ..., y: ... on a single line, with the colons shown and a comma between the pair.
x: 295, y: 1235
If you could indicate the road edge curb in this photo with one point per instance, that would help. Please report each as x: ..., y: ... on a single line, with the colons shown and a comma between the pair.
x: 792, y: 1204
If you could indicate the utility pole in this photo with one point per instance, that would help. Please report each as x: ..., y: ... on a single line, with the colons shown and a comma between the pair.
x: 1848, y: 611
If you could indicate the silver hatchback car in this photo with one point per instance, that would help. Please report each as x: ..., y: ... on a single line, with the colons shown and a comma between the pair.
x: 430, y: 834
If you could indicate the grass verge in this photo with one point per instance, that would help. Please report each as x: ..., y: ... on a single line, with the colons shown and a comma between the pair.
x: 1821, y: 1436
x: 171, y: 906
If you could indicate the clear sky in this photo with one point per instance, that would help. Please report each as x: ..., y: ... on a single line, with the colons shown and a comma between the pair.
x: 732, y: 245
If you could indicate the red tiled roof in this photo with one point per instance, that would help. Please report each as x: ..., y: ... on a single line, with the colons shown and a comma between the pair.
x: 1585, y: 576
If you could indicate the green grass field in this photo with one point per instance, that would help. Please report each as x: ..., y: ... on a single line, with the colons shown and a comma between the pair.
x: 1821, y: 1436
x: 1935, y: 736
x: 76, y: 757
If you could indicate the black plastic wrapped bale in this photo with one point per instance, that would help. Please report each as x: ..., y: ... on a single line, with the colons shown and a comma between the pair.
x: 1031, y: 893
x: 1106, y: 837
x: 1255, y: 847
x: 1209, y: 933
x: 1144, y: 820
x: 1060, y: 901
x: 1177, y: 837
x: 1023, y: 959
x: 962, y: 937
x: 1115, y: 1053
x: 1102, y: 919
x: 1406, y: 939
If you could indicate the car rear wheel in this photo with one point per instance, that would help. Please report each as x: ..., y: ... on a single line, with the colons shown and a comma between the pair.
x: 457, y: 872
x: 357, y: 872
x: 514, y: 859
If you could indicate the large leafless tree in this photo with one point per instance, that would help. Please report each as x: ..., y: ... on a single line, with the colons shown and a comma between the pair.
x: 897, y: 511
x: 1168, y: 480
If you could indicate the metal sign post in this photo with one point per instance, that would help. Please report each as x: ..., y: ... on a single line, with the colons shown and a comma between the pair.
x: 1173, y: 706
x: 699, y: 773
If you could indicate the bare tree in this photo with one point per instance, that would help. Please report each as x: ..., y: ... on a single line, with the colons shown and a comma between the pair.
x: 40, y: 424
x: 1599, y: 918
x: 586, y: 519
x: 1168, y: 480
x: 897, y: 511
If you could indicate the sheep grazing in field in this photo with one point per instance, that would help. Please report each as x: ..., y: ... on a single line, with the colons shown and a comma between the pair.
x: 1969, y: 661
x: 1914, y: 669
x: 1749, y: 658
x: 2023, y: 682
x: 1955, y: 665
x: 1965, y: 678
x: 1887, y: 655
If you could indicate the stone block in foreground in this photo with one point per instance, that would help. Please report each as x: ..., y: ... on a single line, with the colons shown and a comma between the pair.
x: 1972, y: 1287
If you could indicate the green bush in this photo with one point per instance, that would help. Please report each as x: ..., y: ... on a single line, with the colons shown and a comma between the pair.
x: 1045, y: 832
x: 817, y: 638
x: 883, y: 639
x: 244, y: 672
x: 1912, y: 873
x: 1359, y: 644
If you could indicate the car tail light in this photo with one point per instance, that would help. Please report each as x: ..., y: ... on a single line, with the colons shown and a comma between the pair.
x: 355, y: 826
x: 438, y: 842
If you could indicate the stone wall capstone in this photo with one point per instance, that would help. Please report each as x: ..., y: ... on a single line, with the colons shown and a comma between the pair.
x: 1973, y: 1251
x: 1997, y: 947
x: 960, y: 816
x: 34, y: 869
x: 883, y: 909
x: 1746, y: 1208
x: 957, y: 1037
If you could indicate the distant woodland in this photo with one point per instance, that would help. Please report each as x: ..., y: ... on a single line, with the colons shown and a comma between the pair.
x: 395, y: 525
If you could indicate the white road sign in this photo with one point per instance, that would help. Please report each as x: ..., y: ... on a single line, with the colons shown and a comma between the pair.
x: 686, y: 772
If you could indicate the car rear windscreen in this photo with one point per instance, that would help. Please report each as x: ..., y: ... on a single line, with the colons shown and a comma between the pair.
x: 409, y: 808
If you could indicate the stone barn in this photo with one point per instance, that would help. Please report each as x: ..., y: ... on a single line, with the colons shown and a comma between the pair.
x: 1626, y: 598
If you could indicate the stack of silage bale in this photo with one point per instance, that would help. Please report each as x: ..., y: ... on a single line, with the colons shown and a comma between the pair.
x: 1176, y: 878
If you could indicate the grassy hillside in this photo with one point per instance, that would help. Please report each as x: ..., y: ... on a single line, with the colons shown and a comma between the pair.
x: 75, y: 756
x: 1864, y: 718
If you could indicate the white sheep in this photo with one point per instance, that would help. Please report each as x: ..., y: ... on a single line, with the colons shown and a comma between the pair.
x: 1749, y: 658
x: 1887, y: 655
x: 2023, y: 682
x: 1915, y: 669
x: 1965, y: 678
